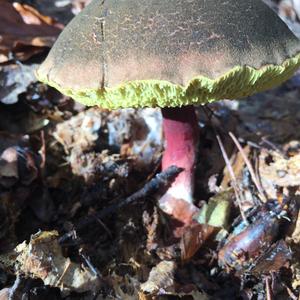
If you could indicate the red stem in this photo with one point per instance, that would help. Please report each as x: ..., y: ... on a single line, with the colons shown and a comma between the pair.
x: 181, y: 133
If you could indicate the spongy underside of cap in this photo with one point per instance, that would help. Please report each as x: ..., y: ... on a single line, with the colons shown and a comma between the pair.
x: 238, y: 82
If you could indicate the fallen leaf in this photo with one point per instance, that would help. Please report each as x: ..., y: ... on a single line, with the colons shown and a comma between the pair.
x: 43, y: 258
x: 161, y: 277
x: 193, y: 238
x: 278, y: 171
x: 216, y: 212
x: 162, y: 283
x: 24, y: 32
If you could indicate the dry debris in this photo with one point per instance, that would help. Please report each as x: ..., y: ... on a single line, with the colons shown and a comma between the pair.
x: 24, y: 31
x: 161, y: 279
x: 162, y: 283
x: 14, y: 80
x: 43, y: 258
x: 93, y: 175
x: 277, y: 170
x: 80, y: 132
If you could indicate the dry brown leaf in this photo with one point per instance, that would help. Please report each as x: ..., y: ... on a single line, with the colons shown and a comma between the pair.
x: 31, y: 16
x: 278, y: 171
x: 161, y: 282
x: 43, y: 258
x: 193, y: 238
x: 24, y: 32
x: 161, y: 277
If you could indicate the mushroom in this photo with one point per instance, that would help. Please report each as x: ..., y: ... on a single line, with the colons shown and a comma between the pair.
x: 173, y: 55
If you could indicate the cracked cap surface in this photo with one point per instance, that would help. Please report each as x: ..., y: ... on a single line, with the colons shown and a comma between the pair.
x: 147, y: 53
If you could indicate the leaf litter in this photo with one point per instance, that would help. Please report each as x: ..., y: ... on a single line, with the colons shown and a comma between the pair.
x: 24, y: 31
x: 78, y: 187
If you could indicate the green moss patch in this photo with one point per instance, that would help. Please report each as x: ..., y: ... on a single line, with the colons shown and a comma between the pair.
x: 239, y: 82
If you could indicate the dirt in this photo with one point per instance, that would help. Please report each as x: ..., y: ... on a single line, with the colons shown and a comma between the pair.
x: 79, y: 187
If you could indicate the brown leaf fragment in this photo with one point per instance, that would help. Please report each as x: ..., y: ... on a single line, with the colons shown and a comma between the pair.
x: 43, y: 258
x: 193, y: 239
x: 151, y: 223
x: 184, y: 240
x: 278, y: 171
x: 161, y: 277
x: 162, y: 283
x: 31, y: 16
x: 24, y: 32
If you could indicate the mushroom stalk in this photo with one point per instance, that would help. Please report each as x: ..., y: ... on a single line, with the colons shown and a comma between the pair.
x: 181, y: 133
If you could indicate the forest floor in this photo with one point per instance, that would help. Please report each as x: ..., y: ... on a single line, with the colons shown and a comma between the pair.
x: 78, y: 215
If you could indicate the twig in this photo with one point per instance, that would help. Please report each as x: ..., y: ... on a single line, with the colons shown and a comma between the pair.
x: 15, y: 289
x: 257, y: 173
x: 250, y: 168
x: 233, y: 178
x: 105, y: 227
x: 268, y: 289
x: 291, y: 294
x: 43, y: 153
x: 227, y: 162
x: 67, y: 266
x: 160, y: 183
x: 89, y: 264
x: 274, y: 147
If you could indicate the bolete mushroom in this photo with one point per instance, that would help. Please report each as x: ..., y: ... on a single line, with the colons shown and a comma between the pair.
x: 171, y: 54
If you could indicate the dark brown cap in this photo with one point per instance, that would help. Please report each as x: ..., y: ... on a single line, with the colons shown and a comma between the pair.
x: 146, y: 53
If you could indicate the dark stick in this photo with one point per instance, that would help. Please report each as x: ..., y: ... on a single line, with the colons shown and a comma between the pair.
x: 159, y: 184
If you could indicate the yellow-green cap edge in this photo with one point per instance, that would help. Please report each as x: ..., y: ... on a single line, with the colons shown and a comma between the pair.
x: 239, y: 82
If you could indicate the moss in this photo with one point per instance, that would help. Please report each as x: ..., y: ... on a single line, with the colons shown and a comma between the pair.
x: 239, y: 82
